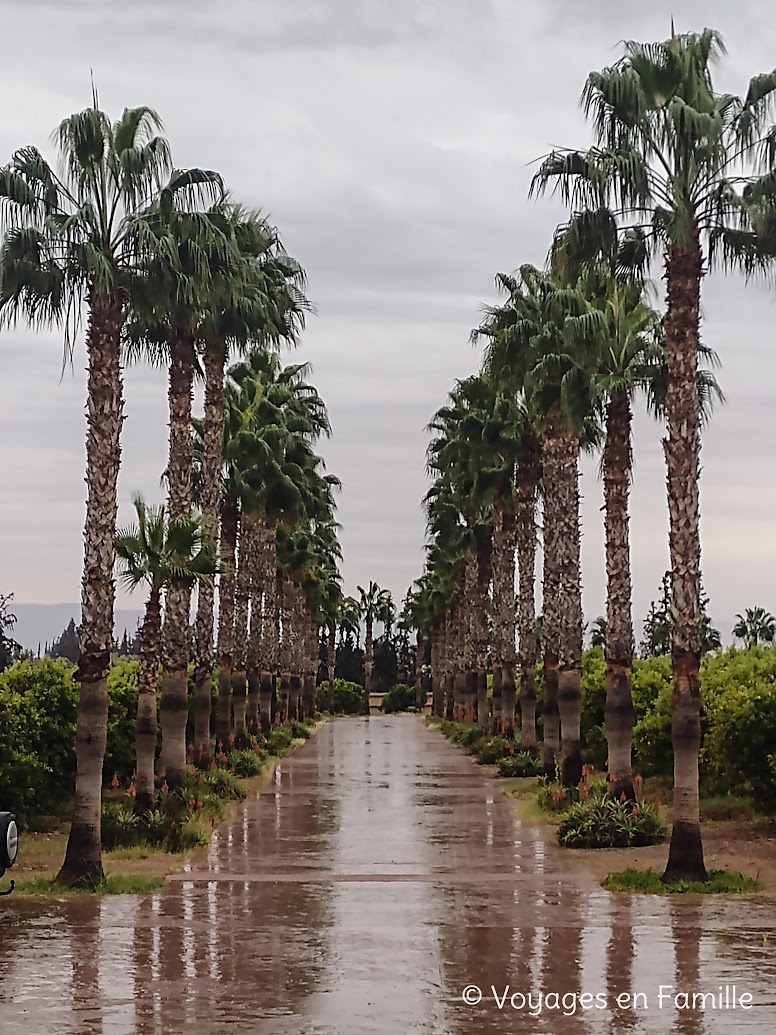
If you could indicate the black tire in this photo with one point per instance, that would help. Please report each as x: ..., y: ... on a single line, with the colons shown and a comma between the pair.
x: 9, y: 840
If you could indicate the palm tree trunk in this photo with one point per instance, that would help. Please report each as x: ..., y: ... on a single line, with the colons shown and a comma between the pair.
x: 270, y: 641
x: 504, y: 654
x: 230, y: 524
x: 420, y: 651
x: 564, y: 470
x: 145, y: 726
x: 550, y: 608
x: 437, y: 680
x: 82, y: 865
x: 287, y: 651
x: 210, y: 496
x: 449, y: 654
x: 472, y: 642
x: 684, y: 269
x: 619, y: 715
x: 177, y: 606
x: 368, y: 662
x: 526, y: 488
x: 241, y: 598
x: 484, y: 571
x: 331, y: 663
x: 254, y: 655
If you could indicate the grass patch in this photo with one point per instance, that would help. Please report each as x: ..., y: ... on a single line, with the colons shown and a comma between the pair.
x: 113, y: 884
x: 648, y: 882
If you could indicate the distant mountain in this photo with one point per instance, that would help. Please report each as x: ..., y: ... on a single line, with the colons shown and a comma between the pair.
x: 43, y: 623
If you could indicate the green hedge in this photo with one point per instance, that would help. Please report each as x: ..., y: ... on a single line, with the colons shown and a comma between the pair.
x: 400, y: 698
x: 38, y: 708
x: 348, y: 697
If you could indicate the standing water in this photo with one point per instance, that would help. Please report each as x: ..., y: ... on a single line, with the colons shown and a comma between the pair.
x: 382, y: 884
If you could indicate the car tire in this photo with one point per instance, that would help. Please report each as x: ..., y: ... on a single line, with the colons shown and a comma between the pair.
x: 9, y: 840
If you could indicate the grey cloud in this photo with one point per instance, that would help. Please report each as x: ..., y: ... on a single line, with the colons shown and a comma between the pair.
x: 391, y: 143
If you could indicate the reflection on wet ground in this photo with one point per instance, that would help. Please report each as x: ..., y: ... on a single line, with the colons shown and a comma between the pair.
x: 380, y: 874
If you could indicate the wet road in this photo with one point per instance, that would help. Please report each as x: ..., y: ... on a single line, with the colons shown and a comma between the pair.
x: 380, y: 874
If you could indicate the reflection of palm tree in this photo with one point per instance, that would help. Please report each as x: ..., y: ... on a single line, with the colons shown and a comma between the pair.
x: 756, y: 625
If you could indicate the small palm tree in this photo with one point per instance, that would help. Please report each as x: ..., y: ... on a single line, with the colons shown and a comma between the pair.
x: 598, y: 633
x: 756, y: 625
x: 160, y: 554
x: 349, y: 620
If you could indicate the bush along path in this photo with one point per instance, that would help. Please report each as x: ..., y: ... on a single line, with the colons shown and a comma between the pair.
x: 591, y: 816
x: 143, y: 846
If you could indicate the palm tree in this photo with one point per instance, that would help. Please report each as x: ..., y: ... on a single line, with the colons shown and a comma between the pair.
x: 598, y: 633
x: 257, y: 301
x: 667, y: 160
x: 538, y: 349
x: 272, y: 416
x: 68, y: 239
x: 162, y: 326
x: 331, y: 602
x: 349, y: 621
x: 158, y: 552
x: 629, y: 357
x: 755, y: 626
x: 375, y: 604
x: 415, y: 615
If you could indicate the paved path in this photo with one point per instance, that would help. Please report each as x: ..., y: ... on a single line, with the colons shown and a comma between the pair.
x: 380, y: 874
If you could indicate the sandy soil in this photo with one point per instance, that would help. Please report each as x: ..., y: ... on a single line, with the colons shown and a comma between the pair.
x: 42, y: 853
x: 748, y: 847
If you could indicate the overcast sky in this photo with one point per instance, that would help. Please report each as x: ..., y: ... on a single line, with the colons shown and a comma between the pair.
x: 390, y: 141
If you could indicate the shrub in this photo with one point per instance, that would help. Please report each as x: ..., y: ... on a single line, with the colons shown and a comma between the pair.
x: 122, y: 714
x: 348, y: 697
x: 467, y: 736
x: 300, y: 730
x: 400, y: 698
x: 222, y: 783
x: 521, y: 764
x: 592, y: 733
x: 247, y: 763
x: 38, y: 705
x: 551, y: 797
x: 491, y: 750
x: 739, y: 748
x: 602, y: 822
x: 279, y: 740
x: 120, y: 827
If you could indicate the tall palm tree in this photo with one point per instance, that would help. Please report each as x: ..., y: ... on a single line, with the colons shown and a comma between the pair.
x: 257, y: 301
x: 158, y: 552
x: 375, y: 604
x: 667, y: 160
x: 273, y: 416
x: 73, y: 238
x: 537, y: 349
x: 162, y: 326
x: 756, y: 625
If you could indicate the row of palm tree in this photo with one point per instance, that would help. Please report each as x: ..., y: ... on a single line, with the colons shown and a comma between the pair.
x: 678, y: 173
x: 164, y: 265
